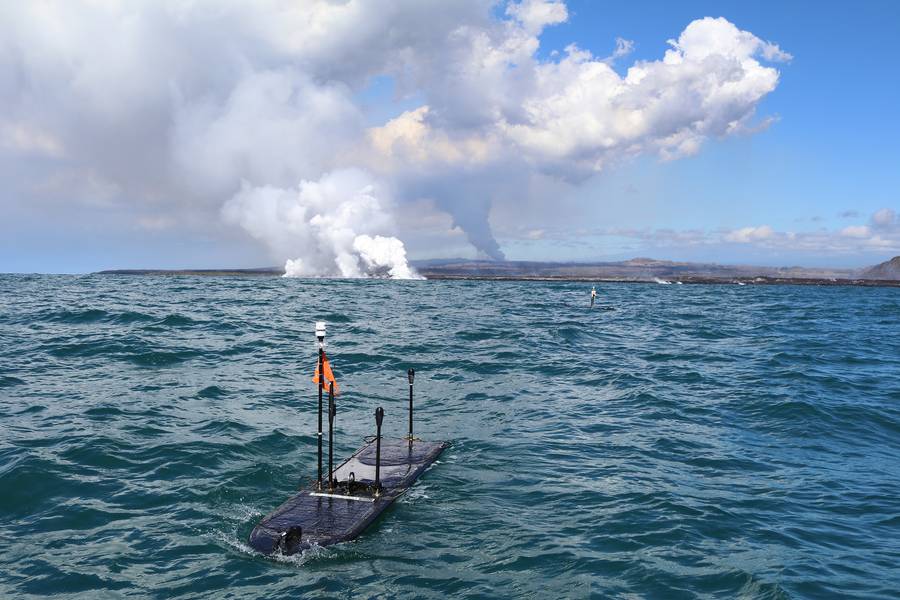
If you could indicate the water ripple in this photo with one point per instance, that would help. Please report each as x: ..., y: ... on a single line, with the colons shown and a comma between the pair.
x: 676, y: 441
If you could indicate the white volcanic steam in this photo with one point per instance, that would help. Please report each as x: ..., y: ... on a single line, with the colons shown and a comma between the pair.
x: 161, y: 112
x: 324, y: 225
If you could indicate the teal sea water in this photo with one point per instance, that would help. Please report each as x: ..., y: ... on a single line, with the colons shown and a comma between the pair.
x: 691, y: 441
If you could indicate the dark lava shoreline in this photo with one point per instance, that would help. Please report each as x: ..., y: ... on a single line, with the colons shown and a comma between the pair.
x: 681, y: 280
x: 688, y: 279
x: 267, y: 272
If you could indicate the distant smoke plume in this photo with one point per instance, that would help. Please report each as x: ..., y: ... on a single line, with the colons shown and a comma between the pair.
x: 165, y: 111
x: 322, y: 228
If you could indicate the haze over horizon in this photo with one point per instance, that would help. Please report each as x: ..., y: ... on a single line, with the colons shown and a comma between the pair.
x: 344, y: 138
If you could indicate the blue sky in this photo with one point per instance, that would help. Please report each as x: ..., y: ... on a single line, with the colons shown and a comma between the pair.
x: 144, y: 170
x: 833, y: 149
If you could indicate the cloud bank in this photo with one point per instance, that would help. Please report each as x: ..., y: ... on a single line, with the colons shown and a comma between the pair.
x: 880, y: 235
x: 255, y: 112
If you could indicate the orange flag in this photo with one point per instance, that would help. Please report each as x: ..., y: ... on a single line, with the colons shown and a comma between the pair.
x: 329, y: 376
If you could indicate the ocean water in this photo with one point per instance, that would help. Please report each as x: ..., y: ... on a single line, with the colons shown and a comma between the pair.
x: 674, y: 442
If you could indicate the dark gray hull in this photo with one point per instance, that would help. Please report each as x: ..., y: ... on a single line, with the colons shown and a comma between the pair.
x: 324, y: 519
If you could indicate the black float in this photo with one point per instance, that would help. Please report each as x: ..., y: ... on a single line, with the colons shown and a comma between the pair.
x: 357, y: 491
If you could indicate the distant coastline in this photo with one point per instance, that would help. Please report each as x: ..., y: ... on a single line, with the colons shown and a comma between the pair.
x: 638, y: 270
x: 682, y: 280
x: 262, y: 272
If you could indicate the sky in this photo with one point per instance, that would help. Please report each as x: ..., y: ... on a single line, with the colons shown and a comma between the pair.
x: 347, y: 137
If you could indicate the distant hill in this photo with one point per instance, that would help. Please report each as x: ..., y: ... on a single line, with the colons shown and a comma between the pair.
x: 635, y: 269
x: 887, y: 270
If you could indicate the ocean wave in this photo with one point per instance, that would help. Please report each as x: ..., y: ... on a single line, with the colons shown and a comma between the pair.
x: 731, y: 442
x: 10, y: 381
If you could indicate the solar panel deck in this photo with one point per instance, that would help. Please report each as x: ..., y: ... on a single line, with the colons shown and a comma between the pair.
x: 323, y: 517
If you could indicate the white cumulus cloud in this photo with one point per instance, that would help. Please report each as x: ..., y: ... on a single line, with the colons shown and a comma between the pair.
x: 746, y: 235
x: 886, y: 218
x: 855, y: 231
x: 178, y: 108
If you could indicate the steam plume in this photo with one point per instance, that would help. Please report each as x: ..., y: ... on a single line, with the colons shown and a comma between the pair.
x: 323, y: 227
x: 155, y: 113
